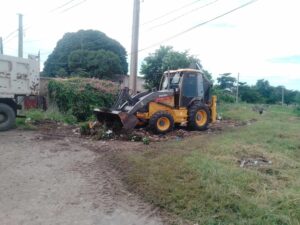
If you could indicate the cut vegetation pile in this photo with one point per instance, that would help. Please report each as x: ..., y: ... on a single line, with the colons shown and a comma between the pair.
x: 78, y: 96
x: 100, y: 131
x: 247, y: 175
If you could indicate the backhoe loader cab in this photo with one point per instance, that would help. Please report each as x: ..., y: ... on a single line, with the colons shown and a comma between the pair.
x: 190, y: 84
x: 183, y: 98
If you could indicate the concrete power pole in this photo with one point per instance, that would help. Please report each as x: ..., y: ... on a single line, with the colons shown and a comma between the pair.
x: 20, y: 36
x: 134, y: 46
x: 1, y: 45
x: 237, y: 89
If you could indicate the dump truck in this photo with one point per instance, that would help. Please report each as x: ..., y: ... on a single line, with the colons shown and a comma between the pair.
x: 184, y: 98
x: 19, y: 77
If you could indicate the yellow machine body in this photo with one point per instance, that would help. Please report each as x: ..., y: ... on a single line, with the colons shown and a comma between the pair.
x: 180, y: 115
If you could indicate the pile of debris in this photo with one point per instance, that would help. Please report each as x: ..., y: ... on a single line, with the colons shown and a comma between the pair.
x: 99, y: 131
x: 254, y: 161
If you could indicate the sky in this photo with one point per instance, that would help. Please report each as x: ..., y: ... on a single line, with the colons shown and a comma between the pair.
x: 259, y: 41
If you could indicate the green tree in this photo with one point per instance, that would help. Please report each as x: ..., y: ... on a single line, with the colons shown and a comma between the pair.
x: 98, y: 64
x: 73, y: 53
x: 248, y: 94
x: 226, y: 81
x: 163, y: 59
x: 269, y: 94
x: 297, y: 98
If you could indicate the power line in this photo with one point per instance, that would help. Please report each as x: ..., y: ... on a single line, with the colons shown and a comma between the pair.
x: 183, y: 15
x: 10, y: 39
x: 61, y: 6
x: 198, y: 25
x: 79, y: 3
x: 10, y: 34
x: 170, y: 12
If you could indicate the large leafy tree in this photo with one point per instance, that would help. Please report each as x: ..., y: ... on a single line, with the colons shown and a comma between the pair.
x: 226, y: 81
x: 99, y: 64
x: 163, y: 59
x: 89, y: 52
x: 248, y: 94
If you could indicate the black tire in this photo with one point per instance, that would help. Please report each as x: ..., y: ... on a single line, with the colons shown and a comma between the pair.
x: 198, y: 117
x: 161, y: 122
x: 7, y: 117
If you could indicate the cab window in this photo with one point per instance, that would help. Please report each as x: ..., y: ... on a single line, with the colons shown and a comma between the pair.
x: 189, y: 85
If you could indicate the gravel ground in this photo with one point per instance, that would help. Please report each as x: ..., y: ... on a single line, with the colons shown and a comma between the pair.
x: 48, y: 179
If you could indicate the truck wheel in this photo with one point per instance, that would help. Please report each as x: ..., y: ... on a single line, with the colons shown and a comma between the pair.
x: 198, y: 117
x: 161, y: 122
x: 7, y: 117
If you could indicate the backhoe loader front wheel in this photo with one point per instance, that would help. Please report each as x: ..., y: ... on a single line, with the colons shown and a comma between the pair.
x: 161, y: 122
x: 199, y: 117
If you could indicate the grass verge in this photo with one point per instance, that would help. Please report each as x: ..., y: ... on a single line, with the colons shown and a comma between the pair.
x: 35, y: 116
x: 201, y: 179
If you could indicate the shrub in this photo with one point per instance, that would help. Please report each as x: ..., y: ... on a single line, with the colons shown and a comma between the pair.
x: 224, y: 96
x: 297, y: 110
x: 80, y: 95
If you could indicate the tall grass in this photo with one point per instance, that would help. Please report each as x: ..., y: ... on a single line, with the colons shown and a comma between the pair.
x: 200, y: 178
x: 33, y: 116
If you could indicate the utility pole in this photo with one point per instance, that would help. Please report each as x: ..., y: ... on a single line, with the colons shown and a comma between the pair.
x: 1, y: 45
x: 282, y: 96
x: 134, y: 46
x: 20, y: 49
x: 237, y: 88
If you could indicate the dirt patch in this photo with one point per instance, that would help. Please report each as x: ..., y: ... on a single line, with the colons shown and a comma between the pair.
x: 50, y: 130
x: 63, y: 182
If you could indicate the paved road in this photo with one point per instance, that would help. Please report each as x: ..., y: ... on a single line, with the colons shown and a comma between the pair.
x: 56, y: 180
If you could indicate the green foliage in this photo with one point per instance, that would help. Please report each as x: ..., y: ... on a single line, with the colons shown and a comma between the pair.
x: 208, y: 75
x: 262, y: 92
x: 88, y: 53
x: 249, y: 94
x: 79, y: 96
x: 297, y: 110
x: 34, y: 116
x: 226, y: 81
x: 99, y: 64
x: 146, y: 141
x: 163, y: 59
x: 85, y: 129
x: 223, y: 95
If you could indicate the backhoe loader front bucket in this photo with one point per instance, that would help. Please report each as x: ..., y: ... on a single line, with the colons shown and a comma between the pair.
x: 116, y: 119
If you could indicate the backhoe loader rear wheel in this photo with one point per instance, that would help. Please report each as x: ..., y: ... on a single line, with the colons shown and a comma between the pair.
x: 161, y: 122
x: 199, y: 117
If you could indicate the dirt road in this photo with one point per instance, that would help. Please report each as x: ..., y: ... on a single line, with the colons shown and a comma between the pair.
x: 60, y: 180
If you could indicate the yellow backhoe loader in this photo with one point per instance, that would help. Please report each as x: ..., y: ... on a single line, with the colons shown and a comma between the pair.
x: 184, y: 97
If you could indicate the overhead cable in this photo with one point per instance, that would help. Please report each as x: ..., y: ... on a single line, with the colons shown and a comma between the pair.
x: 183, y: 15
x: 73, y: 6
x: 170, y: 12
x: 198, y: 25
x: 61, y: 6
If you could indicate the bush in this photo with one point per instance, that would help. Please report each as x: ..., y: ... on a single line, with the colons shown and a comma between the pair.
x: 224, y: 96
x: 79, y: 96
x: 297, y: 110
